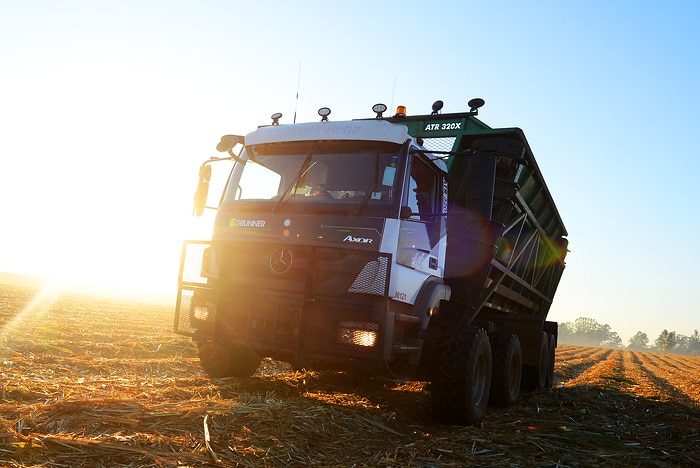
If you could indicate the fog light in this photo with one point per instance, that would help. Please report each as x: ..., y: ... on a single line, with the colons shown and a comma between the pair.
x: 358, y: 333
x: 202, y: 311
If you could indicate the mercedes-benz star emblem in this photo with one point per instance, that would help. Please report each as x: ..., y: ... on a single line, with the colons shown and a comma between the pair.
x: 281, y: 260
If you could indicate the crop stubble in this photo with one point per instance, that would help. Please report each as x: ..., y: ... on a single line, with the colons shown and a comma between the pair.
x: 89, y: 381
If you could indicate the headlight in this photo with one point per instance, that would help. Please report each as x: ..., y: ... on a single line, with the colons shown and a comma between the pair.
x: 358, y: 333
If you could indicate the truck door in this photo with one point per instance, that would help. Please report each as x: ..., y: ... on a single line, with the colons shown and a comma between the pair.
x: 419, y: 245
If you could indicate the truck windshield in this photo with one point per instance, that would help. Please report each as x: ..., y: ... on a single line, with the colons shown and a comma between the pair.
x: 344, y: 173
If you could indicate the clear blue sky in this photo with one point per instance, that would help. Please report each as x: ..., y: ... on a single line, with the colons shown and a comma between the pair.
x: 108, y: 108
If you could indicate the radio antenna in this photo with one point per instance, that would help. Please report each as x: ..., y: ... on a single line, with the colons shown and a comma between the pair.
x: 393, y: 90
x: 296, y: 102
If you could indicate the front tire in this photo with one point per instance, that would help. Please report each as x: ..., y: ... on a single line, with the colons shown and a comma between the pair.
x: 462, y: 378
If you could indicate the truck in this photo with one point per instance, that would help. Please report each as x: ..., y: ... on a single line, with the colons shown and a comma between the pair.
x: 418, y: 247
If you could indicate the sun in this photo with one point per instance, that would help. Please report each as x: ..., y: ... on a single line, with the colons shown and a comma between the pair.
x: 126, y: 254
x: 144, y: 263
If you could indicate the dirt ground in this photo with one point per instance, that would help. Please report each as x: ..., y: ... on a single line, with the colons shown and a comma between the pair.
x: 88, y: 381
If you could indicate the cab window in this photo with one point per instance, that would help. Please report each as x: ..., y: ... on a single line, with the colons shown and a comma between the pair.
x: 423, y: 189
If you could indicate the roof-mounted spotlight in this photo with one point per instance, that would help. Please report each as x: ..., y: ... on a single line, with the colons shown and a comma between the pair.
x: 324, y: 112
x: 379, y: 109
x: 437, y: 107
x: 276, y: 118
x: 474, y: 105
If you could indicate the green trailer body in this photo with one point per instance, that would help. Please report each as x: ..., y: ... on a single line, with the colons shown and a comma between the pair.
x: 497, y: 194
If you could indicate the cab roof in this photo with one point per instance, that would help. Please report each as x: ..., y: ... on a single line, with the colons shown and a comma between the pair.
x: 370, y: 130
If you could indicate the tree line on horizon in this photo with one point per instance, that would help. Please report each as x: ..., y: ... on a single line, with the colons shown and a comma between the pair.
x: 585, y: 331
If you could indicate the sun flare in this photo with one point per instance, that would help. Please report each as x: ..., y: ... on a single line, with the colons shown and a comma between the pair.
x: 116, y: 258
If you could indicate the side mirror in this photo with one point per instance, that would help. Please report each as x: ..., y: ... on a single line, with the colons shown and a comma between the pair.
x: 228, y: 142
x: 200, y: 196
x: 503, y: 146
x: 205, y: 172
x: 406, y: 212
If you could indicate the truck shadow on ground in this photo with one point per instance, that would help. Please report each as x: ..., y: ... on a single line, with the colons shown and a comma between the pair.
x: 292, y: 418
x: 575, y: 426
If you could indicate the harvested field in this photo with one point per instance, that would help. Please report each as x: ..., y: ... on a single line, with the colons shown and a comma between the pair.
x: 88, y: 382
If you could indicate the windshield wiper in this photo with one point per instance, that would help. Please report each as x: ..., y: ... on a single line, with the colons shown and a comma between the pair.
x: 302, y: 172
x: 372, y: 188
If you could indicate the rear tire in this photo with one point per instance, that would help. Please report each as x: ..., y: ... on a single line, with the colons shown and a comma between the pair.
x: 551, y: 357
x: 220, y: 361
x: 507, y: 374
x: 535, y: 376
x: 462, y: 378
